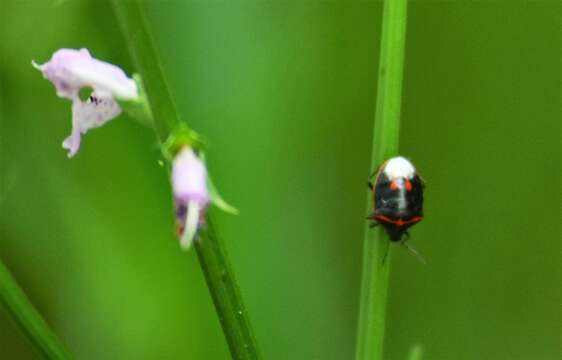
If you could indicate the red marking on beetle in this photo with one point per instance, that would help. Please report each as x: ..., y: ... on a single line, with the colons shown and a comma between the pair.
x: 393, y: 185
x: 408, y: 185
x: 398, y: 222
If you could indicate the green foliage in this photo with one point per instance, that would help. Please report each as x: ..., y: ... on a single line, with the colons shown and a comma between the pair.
x: 285, y: 91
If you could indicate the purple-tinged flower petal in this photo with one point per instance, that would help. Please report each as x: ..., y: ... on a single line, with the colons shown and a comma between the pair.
x: 70, y: 70
x: 87, y: 115
x: 189, y: 178
x: 189, y: 183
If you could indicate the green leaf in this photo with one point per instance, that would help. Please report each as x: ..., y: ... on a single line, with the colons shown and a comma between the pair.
x: 218, y: 201
x: 216, y: 198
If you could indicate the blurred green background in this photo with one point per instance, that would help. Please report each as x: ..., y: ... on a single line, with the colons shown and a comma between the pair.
x: 285, y: 92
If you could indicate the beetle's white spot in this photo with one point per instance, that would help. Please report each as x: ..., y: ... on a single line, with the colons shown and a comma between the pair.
x: 399, y: 167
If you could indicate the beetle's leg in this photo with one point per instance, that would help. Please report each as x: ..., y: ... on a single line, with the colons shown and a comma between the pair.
x: 370, y: 185
x: 386, y: 252
x: 422, y: 180
x: 374, y: 223
x: 376, y: 171
x: 414, y: 251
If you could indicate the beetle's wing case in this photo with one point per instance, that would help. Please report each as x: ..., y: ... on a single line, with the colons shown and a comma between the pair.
x: 377, y: 174
x: 415, y: 197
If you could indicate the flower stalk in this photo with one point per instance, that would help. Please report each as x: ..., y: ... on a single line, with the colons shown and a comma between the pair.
x: 374, y: 283
x: 173, y: 134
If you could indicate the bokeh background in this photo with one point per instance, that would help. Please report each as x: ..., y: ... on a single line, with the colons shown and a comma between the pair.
x: 285, y: 91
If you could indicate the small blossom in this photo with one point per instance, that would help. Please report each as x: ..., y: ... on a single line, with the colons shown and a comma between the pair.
x: 71, y: 70
x: 189, y: 183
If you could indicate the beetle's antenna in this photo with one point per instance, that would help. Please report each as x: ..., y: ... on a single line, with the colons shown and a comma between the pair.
x: 415, y: 252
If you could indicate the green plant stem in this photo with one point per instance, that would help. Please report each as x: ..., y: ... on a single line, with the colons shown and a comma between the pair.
x: 226, y: 295
x: 28, y: 318
x: 374, y: 283
x: 211, y: 252
x: 141, y: 48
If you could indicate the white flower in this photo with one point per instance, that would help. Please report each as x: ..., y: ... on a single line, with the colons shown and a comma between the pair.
x: 189, y: 183
x: 70, y: 70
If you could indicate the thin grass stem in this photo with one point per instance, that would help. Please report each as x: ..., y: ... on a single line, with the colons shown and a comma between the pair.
x: 28, y: 318
x: 376, y: 261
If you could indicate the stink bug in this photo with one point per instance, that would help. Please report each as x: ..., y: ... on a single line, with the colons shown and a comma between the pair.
x: 397, y: 197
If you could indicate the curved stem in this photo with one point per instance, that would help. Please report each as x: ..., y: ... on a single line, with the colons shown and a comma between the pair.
x: 211, y: 252
x: 28, y: 318
x: 374, y: 283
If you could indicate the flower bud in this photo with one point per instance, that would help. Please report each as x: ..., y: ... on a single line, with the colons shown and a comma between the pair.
x: 189, y: 183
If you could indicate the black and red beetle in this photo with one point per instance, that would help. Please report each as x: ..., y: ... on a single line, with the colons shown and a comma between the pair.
x: 397, y: 197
